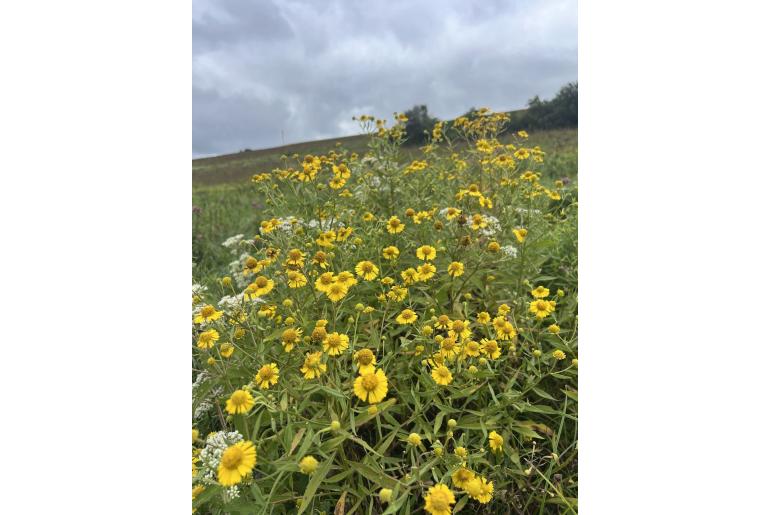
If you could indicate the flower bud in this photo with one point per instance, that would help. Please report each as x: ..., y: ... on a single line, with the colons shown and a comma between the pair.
x: 386, y: 494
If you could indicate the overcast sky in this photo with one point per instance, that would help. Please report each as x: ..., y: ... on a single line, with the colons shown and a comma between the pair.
x: 306, y: 67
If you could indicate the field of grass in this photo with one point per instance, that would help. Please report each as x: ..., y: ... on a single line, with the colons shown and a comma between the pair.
x: 388, y: 332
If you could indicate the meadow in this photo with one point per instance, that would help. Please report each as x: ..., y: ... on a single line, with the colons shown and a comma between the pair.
x: 381, y: 328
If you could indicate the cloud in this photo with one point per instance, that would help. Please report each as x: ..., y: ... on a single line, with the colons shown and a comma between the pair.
x: 299, y: 69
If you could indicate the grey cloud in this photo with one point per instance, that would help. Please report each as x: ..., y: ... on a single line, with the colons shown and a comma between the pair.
x: 304, y: 67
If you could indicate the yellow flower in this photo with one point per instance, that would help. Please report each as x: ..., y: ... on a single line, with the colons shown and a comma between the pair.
x: 390, y: 253
x: 426, y: 253
x: 452, y: 213
x: 480, y: 489
x: 195, y: 435
x: 443, y: 322
x: 346, y: 278
x: 240, y: 401
x: 540, y: 308
x: 559, y: 355
x: 323, y: 282
x: 207, y: 314
x: 520, y: 234
x: 296, y: 279
x: 335, y: 343
x: 336, y: 291
x: 540, y: 292
x: 267, y: 375
x: 439, y: 500
x: 368, y: 217
x: 461, y: 452
x: 506, y: 331
x: 398, y: 293
x: 449, y: 347
x: 456, y: 269
x: 441, y: 375
x: 471, y: 349
x: 460, y: 328
x: 371, y: 387
x: 462, y: 476
x: 207, y: 339
x: 394, y: 225
x: 197, y: 490
x: 367, y: 270
x: 365, y: 361
x: 490, y: 348
x: 413, y: 439
x: 425, y: 271
x: 321, y: 259
x: 313, y: 368
x: 495, y: 441
x: 295, y: 257
x: 226, y: 349
x: 483, y: 318
x: 554, y: 329
x: 410, y: 276
x: 290, y: 337
x: 407, y: 316
x: 308, y: 465
x: 236, y: 462
x: 263, y: 285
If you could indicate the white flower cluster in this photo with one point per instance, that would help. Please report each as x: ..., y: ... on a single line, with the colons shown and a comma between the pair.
x: 236, y: 271
x: 230, y: 302
x: 216, y: 443
x: 323, y: 225
x: 510, y: 251
x: 232, y: 493
x: 205, y: 405
x: 524, y: 211
x: 232, y: 243
x: 493, y: 226
x: 289, y: 224
x: 198, y: 289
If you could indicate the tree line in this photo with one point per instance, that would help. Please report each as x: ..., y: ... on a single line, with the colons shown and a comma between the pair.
x: 559, y: 112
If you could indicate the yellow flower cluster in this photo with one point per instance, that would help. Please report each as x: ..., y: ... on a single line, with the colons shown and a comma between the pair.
x: 381, y: 296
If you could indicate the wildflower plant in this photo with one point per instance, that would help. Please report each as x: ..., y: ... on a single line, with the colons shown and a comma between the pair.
x: 396, y: 335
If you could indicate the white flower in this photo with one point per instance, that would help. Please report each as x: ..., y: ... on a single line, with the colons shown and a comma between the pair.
x: 510, y: 250
x: 230, y: 302
x: 232, y: 243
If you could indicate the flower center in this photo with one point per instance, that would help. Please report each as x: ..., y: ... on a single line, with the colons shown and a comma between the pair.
x: 370, y: 382
x: 440, y: 501
x: 232, y: 457
x: 239, y: 398
x: 365, y: 357
x: 266, y: 373
x: 261, y: 282
x: 207, y: 311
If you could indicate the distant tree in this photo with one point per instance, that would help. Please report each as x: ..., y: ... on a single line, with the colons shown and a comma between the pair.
x: 561, y: 111
x: 418, y: 123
